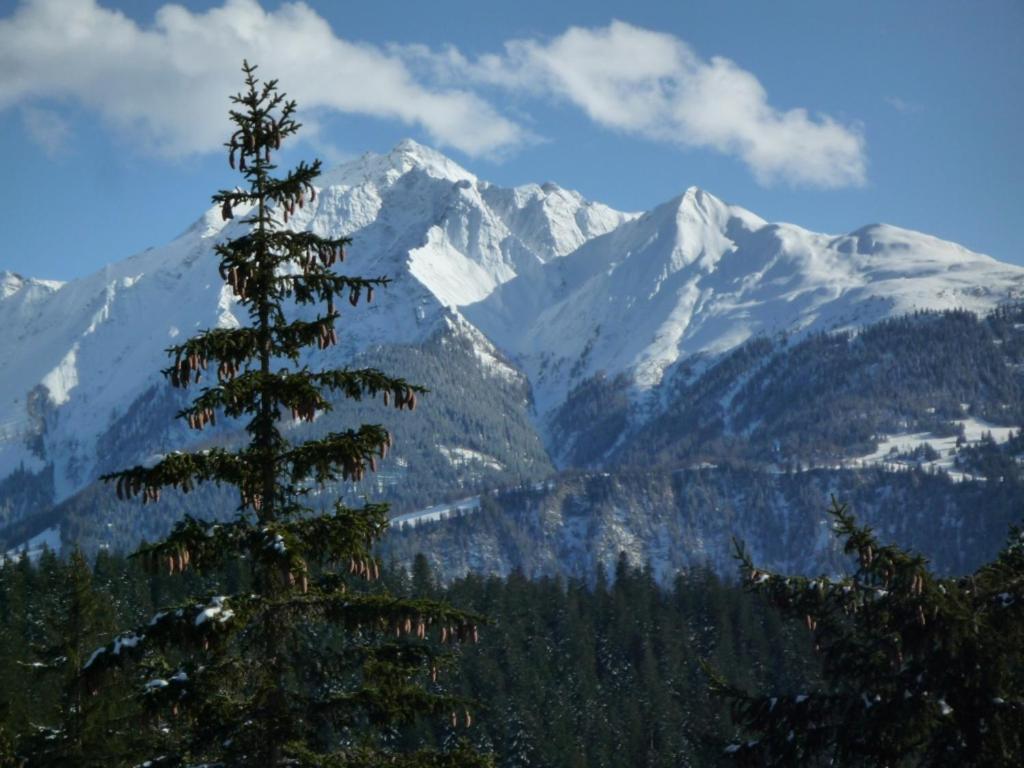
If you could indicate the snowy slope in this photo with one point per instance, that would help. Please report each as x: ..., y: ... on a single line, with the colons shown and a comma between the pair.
x: 564, y: 286
x: 82, y: 352
x: 456, y: 235
x: 79, y: 354
x: 698, y: 276
x: 20, y: 299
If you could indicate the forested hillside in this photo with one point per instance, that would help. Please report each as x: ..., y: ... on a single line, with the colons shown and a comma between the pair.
x: 750, y: 445
x: 678, y: 520
x: 472, y: 433
x: 829, y: 397
x: 566, y: 674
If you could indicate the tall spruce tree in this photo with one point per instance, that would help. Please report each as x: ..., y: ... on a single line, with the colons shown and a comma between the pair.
x: 916, y: 669
x: 315, y: 666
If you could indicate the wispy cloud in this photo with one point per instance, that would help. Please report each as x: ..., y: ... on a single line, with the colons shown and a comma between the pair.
x: 903, y: 106
x: 47, y: 129
x: 168, y: 83
x: 653, y: 84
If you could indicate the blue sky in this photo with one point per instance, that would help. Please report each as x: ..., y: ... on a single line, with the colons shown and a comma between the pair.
x: 828, y: 115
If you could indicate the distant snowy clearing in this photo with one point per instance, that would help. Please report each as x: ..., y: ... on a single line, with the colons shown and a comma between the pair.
x: 437, y: 512
x: 946, y: 447
x: 458, y: 457
x: 34, y: 547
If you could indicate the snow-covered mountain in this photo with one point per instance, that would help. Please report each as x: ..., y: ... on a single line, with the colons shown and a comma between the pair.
x: 77, y: 355
x: 696, y: 276
x: 562, y: 286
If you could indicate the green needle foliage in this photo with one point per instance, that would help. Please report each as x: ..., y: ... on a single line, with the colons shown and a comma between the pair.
x: 309, y: 662
x: 76, y: 615
x: 917, y: 670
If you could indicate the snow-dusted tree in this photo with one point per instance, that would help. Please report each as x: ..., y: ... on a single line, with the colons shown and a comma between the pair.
x: 313, y: 664
x: 916, y: 669
x: 521, y: 751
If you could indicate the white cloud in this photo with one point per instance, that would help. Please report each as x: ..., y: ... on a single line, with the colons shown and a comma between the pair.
x: 46, y: 128
x: 653, y: 84
x: 169, y: 82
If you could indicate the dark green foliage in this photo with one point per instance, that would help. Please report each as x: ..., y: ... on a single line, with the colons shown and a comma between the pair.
x: 828, y: 396
x: 485, y: 412
x: 298, y: 663
x: 74, y: 619
x: 997, y: 463
x: 593, y: 417
x: 686, y: 518
x: 7, y: 757
x: 52, y: 615
x: 23, y: 493
x: 603, y: 676
x: 916, y: 669
x: 694, y: 426
x: 922, y: 453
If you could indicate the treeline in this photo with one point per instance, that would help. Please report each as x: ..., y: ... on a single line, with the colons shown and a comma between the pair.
x: 998, y: 462
x: 566, y: 674
x: 830, y: 395
x: 677, y: 520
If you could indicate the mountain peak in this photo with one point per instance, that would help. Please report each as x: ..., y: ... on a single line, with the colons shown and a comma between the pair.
x: 570, y: 287
x: 887, y: 241
x: 695, y: 201
x: 699, y: 205
x: 409, y: 154
x: 11, y: 283
x: 383, y: 170
x: 413, y: 148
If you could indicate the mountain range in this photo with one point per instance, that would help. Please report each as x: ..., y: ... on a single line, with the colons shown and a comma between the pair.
x: 571, y: 335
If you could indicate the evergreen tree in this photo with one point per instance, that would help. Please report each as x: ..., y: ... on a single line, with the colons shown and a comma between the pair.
x: 314, y: 665
x: 557, y: 672
x: 7, y: 756
x: 916, y: 669
x: 76, y: 615
x: 12, y: 609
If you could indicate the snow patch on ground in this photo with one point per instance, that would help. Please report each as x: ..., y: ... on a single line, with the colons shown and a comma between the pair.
x: 460, y: 457
x: 890, y: 445
x: 437, y: 512
x: 34, y: 547
x: 451, y: 275
x: 62, y: 379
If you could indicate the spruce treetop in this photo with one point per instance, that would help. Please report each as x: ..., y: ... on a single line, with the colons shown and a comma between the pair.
x: 310, y: 662
x: 916, y: 669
